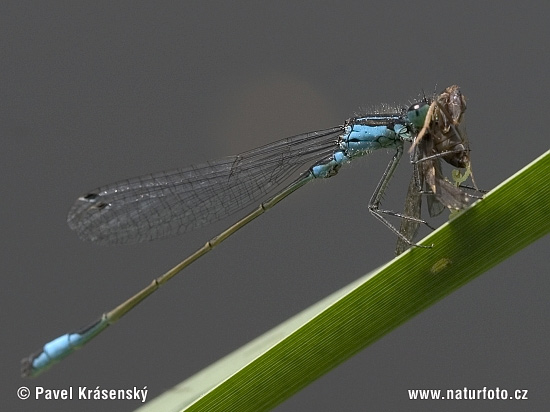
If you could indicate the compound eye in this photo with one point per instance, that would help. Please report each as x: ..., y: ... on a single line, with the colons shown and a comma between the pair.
x: 417, y: 113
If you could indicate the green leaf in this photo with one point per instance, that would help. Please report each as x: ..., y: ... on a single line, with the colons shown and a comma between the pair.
x: 276, y: 365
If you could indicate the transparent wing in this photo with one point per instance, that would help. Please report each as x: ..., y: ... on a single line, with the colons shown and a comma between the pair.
x: 413, y: 206
x: 170, y: 203
x: 419, y: 188
x: 445, y: 194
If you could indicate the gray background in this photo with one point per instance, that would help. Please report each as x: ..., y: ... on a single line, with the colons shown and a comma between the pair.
x: 95, y: 93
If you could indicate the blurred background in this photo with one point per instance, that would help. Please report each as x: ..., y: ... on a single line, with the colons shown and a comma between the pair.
x: 94, y: 93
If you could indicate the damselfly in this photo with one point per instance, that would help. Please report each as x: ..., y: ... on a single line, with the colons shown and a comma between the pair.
x: 169, y: 203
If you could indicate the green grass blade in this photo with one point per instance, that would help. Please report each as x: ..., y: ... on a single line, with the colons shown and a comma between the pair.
x: 271, y: 368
